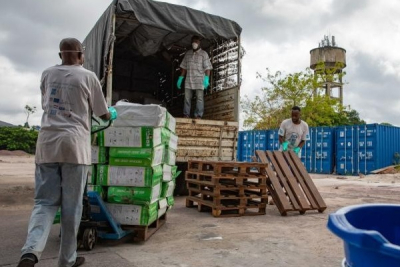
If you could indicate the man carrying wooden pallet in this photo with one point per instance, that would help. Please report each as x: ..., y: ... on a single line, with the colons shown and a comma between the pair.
x: 293, y: 132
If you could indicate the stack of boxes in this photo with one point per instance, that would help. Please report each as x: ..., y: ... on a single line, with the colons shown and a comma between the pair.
x: 134, y: 167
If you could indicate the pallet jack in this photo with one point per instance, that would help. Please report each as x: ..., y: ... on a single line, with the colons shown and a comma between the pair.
x: 97, y: 222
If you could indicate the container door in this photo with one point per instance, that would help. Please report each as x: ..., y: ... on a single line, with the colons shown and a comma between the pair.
x: 272, y: 140
x: 307, y: 151
x: 260, y: 140
x: 323, y: 150
x: 245, y: 146
x: 345, y: 146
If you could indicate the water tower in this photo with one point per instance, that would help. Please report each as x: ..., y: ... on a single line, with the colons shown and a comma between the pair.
x: 334, y: 59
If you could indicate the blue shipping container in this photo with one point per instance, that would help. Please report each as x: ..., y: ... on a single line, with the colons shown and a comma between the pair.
x: 364, y: 148
x: 317, y: 154
x: 249, y: 142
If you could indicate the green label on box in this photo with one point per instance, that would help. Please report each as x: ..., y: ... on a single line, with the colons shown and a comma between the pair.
x: 129, y: 176
x: 125, y: 156
x: 133, y: 195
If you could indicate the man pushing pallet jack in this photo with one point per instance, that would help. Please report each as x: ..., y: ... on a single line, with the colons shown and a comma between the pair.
x: 63, y: 158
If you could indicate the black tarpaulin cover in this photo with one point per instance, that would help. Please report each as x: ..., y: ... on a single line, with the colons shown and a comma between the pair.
x: 149, y: 25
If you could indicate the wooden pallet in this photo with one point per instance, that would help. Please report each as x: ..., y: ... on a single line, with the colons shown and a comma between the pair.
x: 226, y: 190
x: 225, y: 179
x: 227, y: 168
x: 143, y: 233
x: 289, y: 184
x: 227, y: 208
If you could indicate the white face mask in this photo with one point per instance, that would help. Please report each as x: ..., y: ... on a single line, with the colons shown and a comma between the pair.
x: 195, y: 46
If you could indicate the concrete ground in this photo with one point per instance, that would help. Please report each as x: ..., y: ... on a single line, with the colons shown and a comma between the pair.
x: 192, y: 238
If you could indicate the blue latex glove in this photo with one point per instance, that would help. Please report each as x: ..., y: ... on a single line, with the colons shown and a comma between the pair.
x: 179, y: 83
x: 285, y: 145
x: 206, y: 82
x: 297, y: 150
x: 113, y: 113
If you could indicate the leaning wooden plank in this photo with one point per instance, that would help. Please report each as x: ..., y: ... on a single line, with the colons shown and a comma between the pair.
x: 275, y: 188
x: 300, y: 180
x: 298, y: 194
x: 282, y: 179
x: 307, y: 179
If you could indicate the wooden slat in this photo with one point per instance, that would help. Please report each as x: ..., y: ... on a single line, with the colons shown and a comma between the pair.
x: 300, y: 180
x: 283, y: 181
x: 298, y: 194
x: 307, y: 179
x: 277, y: 193
x: 204, y: 142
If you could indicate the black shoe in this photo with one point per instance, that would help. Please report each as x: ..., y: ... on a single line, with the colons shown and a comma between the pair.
x: 26, y: 263
x: 78, y: 262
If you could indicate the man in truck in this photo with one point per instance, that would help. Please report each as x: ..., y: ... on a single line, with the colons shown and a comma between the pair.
x: 63, y: 154
x: 196, y: 66
x: 293, y: 132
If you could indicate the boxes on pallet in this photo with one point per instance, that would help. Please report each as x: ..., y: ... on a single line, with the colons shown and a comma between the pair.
x: 129, y: 176
x: 162, y: 207
x: 133, y: 195
x: 134, y: 214
x: 132, y: 114
x: 99, y: 154
x: 167, y: 189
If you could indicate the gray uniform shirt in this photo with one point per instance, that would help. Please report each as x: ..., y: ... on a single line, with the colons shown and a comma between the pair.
x: 195, y: 63
x: 69, y: 93
x: 294, y: 133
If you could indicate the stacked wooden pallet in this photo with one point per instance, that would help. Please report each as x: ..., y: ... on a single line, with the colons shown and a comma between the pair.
x: 227, y: 188
x: 289, y: 184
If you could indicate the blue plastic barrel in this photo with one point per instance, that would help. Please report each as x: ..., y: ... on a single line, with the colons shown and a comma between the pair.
x: 371, y: 234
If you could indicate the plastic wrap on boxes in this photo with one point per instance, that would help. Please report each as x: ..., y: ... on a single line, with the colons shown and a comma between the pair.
x: 132, y: 114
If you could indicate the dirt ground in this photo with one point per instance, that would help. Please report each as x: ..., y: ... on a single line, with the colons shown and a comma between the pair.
x: 192, y: 238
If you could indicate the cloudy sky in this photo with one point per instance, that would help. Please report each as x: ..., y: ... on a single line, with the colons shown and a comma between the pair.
x: 277, y: 34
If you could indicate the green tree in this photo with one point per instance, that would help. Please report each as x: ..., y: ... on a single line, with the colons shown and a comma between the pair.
x: 303, y: 89
x: 28, y: 111
x: 18, y: 138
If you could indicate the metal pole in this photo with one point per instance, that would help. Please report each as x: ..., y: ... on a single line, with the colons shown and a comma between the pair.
x: 110, y: 65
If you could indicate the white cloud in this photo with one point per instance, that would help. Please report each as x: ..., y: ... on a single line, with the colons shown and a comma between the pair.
x: 18, y: 89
